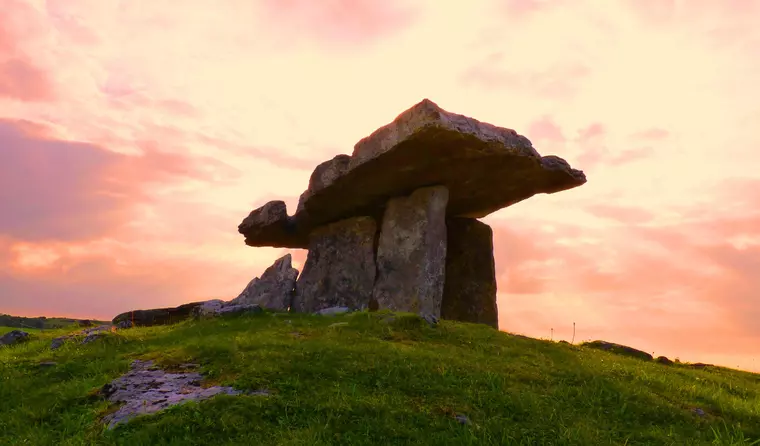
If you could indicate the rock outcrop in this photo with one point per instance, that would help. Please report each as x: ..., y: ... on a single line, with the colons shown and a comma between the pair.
x: 426, y: 170
x: 146, y: 389
x: 274, y: 289
x: 14, y: 337
x: 469, y: 293
x: 157, y: 316
x: 411, y: 252
x: 340, y: 267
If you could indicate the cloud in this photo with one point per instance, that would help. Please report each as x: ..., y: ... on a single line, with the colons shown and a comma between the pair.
x: 20, y: 76
x: 64, y: 190
x: 337, y: 23
x: 557, y: 81
x: 621, y: 214
x: 545, y: 129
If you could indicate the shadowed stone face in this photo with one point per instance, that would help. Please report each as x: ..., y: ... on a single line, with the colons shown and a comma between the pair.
x: 411, y: 253
x: 469, y: 293
x: 274, y: 289
x: 340, y: 267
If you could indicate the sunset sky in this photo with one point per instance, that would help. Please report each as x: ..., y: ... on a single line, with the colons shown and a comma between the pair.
x: 135, y: 136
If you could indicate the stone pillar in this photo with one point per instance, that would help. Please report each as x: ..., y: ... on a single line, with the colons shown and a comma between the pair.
x: 469, y: 294
x: 411, y: 252
x: 340, y: 267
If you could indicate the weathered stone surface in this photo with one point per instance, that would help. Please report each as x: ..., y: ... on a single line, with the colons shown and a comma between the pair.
x: 271, y: 223
x: 158, y: 316
x: 323, y: 176
x: 274, y: 289
x: 84, y: 336
x: 14, y: 337
x: 411, y: 253
x: 485, y: 168
x: 332, y: 311
x: 146, y: 389
x: 469, y: 293
x: 340, y: 267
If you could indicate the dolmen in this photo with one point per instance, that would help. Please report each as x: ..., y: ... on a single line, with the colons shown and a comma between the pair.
x: 395, y: 224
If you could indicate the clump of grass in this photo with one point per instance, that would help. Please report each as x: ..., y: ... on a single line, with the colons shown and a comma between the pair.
x: 374, y: 378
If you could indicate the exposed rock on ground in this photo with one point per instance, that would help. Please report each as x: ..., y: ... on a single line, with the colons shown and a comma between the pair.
x: 146, y: 389
x: 274, y: 289
x: 14, y: 337
x: 411, y: 252
x: 85, y: 336
x: 157, y: 316
x: 469, y: 293
x: 618, y: 349
x: 340, y: 267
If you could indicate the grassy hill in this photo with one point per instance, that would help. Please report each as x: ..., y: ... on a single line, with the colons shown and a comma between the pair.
x: 39, y: 323
x: 372, y: 379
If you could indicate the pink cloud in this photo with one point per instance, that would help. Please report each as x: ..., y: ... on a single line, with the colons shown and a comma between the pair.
x: 620, y: 214
x: 20, y: 77
x: 339, y: 22
x: 53, y: 189
x: 652, y: 134
x: 559, y: 81
x: 545, y: 129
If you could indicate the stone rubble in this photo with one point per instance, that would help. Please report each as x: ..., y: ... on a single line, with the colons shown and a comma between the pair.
x: 146, y: 389
x: 14, y: 337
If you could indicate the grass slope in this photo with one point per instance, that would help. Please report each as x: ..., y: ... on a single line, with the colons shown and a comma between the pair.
x: 373, y: 382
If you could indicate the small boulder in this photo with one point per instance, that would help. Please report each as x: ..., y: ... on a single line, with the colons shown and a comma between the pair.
x: 58, y: 342
x: 618, y: 349
x: 240, y: 309
x: 663, y: 360
x: 14, y: 337
x: 332, y: 311
x: 124, y: 324
x: 209, y: 307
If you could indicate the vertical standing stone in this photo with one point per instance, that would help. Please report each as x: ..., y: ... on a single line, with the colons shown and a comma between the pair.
x: 469, y: 294
x: 340, y: 267
x: 411, y: 252
x: 274, y: 289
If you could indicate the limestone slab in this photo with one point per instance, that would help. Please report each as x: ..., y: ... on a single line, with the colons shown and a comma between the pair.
x: 469, y: 293
x: 340, y: 267
x: 484, y: 167
x: 274, y: 289
x: 411, y: 253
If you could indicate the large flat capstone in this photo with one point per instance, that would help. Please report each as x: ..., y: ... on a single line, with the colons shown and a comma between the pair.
x: 411, y: 253
x: 484, y: 167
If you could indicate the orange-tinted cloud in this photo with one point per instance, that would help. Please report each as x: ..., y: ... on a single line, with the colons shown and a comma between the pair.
x: 63, y: 190
x: 339, y: 23
x: 20, y: 77
x: 559, y: 81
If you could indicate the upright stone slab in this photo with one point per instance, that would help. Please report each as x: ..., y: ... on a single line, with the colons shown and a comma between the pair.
x: 340, y: 267
x: 411, y: 252
x: 274, y: 289
x: 469, y: 293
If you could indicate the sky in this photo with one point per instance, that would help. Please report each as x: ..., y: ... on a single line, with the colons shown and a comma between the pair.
x: 135, y: 136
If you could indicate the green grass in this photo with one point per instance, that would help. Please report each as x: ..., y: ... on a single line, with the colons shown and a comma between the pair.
x: 370, y: 382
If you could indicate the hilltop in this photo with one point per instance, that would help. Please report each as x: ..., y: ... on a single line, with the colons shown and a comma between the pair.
x: 371, y: 378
